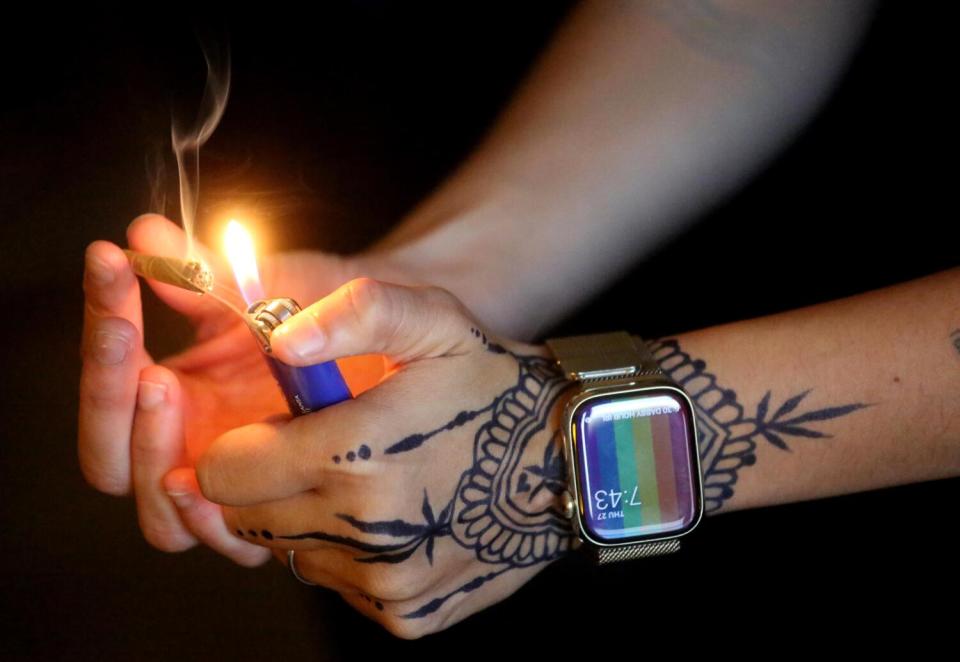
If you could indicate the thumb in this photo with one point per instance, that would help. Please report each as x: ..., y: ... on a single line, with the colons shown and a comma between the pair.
x: 366, y: 316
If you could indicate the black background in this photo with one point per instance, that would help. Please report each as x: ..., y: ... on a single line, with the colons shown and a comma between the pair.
x: 340, y: 121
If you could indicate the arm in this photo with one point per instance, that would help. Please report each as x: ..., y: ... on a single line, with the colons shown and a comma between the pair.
x: 437, y: 492
x: 867, y: 386
x: 638, y: 118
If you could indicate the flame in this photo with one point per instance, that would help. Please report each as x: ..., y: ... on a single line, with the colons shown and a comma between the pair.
x: 243, y: 259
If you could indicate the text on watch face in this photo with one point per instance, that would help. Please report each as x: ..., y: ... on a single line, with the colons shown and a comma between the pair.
x: 637, y: 466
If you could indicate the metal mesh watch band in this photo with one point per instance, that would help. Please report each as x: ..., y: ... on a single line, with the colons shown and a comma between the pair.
x: 604, y: 555
x: 606, y: 358
x: 603, y: 357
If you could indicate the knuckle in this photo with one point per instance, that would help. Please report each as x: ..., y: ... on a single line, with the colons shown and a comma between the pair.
x: 405, y: 628
x: 120, y: 327
x: 449, y: 312
x: 443, y: 297
x: 377, y: 310
x: 394, y: 584
x: 116, y: 329
x: 448, y: 301
x: 366, y: 298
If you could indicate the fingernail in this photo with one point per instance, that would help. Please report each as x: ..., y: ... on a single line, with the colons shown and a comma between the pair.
x: 301, y: 340
x: 110, y: 348
x: 151, y: 395
x: 100, y: 272
x: 180, y: 499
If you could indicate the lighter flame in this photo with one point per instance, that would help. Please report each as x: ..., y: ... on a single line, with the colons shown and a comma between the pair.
x: 243, y: 259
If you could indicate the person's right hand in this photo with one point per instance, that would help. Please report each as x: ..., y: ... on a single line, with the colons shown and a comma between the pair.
x: 140, y: 419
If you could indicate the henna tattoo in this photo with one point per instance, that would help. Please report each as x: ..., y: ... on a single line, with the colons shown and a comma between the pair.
x: 955, y: 337
x: 363, y: 453
x: 376, y: 603
x: 552, y: 470
x: 485, y: 513
x: 490, y: 346
x: 773, y: 429
x: 416, y: 440
x: 415, y: 534
x: 397, y: 528
x: 413, y: 441
x: 492, y: 511
x: 488, y: 518
x: 728, y: 438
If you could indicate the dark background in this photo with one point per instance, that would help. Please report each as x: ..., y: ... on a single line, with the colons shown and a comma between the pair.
x: 341, y: 120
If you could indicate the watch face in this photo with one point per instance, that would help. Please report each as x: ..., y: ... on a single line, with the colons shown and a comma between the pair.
x: 638, y: 472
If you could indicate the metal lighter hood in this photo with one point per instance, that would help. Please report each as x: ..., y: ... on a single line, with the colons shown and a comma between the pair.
x: 267, y: 314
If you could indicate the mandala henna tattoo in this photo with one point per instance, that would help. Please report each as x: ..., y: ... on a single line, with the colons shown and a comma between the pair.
x: 492, y: 510
x: 489, y: 517
x: 552, y: 470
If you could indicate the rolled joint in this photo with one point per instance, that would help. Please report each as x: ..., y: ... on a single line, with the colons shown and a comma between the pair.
x: 191, y: 275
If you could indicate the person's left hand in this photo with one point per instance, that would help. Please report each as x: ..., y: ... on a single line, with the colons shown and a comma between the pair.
x: 427, y: 498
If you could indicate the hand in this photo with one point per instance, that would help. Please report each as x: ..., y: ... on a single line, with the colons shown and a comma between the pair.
x: 139, y: 419
x: 425, y: 499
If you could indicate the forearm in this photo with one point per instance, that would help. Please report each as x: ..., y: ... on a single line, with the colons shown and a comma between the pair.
x: 639, y: 116
x: 851, y: 395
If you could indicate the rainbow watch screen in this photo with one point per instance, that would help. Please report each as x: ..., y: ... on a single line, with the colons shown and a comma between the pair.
x: 637, y: 466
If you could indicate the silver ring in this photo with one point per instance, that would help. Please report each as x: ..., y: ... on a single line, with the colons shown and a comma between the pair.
x: 293, y: 569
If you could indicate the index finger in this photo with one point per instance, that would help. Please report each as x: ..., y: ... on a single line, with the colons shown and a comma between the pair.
x: 113, y: 355
x: 269, y: 461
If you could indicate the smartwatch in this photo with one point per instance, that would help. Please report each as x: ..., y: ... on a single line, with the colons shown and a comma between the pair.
x: 634, y: 486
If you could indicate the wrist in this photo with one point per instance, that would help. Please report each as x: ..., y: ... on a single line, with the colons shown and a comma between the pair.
x: 442, y: 258
x: 540, y: 475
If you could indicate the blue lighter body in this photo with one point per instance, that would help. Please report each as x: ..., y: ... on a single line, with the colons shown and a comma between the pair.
x: 306, y: 388
x: 309, y: 388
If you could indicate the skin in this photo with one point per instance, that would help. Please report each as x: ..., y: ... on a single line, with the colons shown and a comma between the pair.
x: 637, y: 118
x: 801, y: 405
x: 139, y: 419
x: 373, y: 492
x: 588, y: 179
x: 693, y: 102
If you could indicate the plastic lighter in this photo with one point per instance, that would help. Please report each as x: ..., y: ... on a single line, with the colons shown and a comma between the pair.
x: 306, y: 388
